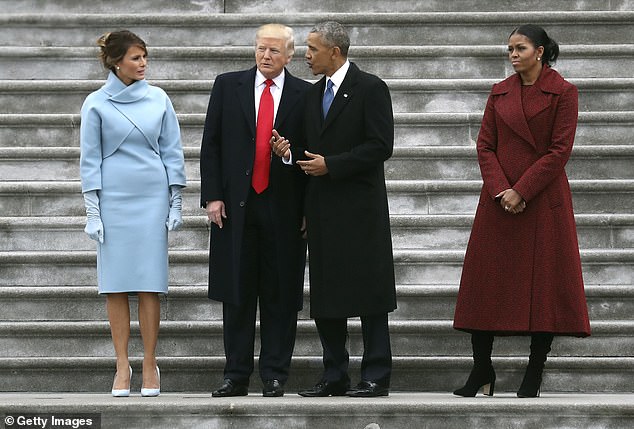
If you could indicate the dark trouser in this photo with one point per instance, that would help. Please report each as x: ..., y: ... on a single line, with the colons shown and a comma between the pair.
x: 376, y: 364
x: 259, y: 276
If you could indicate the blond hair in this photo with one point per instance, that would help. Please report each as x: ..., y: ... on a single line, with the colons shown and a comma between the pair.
x: 278, y: 31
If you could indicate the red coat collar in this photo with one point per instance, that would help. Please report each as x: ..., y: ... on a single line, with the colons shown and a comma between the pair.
x: 509, y: 100
x: 549, y: 80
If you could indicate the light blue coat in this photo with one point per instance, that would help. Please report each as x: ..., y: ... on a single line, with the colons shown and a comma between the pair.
x: 130, y: 155
x: 109, y: 114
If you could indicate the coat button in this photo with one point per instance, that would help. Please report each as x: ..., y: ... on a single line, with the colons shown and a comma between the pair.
x: 248, y: 172
x: 242, y: 203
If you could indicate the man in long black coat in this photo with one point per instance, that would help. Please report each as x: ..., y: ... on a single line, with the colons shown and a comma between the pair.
x: 257, y: 250
x: 349, y: 240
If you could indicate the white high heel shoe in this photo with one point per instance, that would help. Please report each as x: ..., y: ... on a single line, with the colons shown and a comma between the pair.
x: 153, y: 392
x: 122, y: 393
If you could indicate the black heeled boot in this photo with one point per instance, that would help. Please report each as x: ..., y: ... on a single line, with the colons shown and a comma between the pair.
x: 482, y: 373
x: 540, y: 347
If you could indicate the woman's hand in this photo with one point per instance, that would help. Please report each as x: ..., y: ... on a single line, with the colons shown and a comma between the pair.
x: 511, y: 201
x: 175, y: 218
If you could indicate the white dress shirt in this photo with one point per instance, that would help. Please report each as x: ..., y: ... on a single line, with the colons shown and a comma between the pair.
x: 276, y: 91
x: 338, y: 77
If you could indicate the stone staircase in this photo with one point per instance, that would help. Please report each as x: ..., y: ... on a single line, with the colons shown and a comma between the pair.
x: 439, y: 60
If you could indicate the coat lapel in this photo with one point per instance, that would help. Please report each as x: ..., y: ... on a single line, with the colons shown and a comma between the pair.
x: 538, y: 102
x: 290, y: 94
x: 509, y: 107
x: 314, y: 102
x: 343, y: 96
x: 548, y: 83
x: 134, y: 103
x: 245, y: 93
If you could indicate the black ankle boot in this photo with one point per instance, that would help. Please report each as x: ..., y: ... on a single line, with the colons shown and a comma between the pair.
x: 482, y: 374
x: 479, y: 377
x: 531, y: 384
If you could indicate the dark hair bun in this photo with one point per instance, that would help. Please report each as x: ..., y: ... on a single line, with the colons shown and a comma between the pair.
x: 537, y: 35
x: 114, y: 46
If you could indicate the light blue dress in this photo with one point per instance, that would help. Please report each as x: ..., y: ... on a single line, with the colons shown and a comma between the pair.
x: 131, y: 153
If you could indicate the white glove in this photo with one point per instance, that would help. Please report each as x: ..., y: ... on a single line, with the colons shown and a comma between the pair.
x: 175, y: 219
x: 94, y: 227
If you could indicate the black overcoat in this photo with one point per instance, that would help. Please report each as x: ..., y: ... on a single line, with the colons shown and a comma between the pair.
x: 226, y: 162
x: 350, y: 245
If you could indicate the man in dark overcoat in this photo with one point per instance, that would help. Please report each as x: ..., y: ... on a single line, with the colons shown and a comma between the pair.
x: 257, y: 251
x: 350, y: 133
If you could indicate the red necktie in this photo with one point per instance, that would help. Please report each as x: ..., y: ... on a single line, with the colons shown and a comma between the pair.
x: 263, y: 133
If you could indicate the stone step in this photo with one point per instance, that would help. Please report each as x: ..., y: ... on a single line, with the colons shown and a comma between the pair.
x: 452, y: 231
x: 595, y: 231
x: 408, y: 95
x: 406, y: 197
x: 65, y: 233
x: 419, y: 163
x: 411, y: 129
x: 596, y: 47
x: 388, y: 62
x: 461, y: 197
x: 190, y: 267
x: 78, y: 6
x: 221, y: 29
x: 410, y: 373
x: 411, y: 410
x: 459, y: 129
x: 204, y: 338
x: 459, y: 163
x: 606, y: 302
x: 201, y: 8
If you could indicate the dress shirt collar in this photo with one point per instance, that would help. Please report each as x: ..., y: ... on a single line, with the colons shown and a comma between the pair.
x: 338, y: 77
x: 278, y: 80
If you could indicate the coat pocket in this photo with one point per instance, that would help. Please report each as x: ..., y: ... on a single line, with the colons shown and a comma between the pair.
x: 555, y: 192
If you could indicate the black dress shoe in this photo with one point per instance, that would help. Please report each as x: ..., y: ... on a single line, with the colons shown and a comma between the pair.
x: 368, y: 389
x: 230, y: 388
x: 272, y: 388
x: 326, y: 388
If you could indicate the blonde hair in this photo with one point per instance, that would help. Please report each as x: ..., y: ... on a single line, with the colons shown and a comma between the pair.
x: 114, y: 46
x: 278, y: 31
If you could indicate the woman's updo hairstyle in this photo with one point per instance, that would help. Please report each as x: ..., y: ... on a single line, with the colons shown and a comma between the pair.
x: 538, y: 37
x: 115, y: 45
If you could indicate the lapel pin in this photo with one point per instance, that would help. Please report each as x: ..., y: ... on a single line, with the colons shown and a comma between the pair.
x: 345, y: 95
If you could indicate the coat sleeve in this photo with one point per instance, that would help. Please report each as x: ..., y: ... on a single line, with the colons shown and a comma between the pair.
x: 551, y: 165
x: 298, y: 145
x: 378, y: 139
x: 90, y: 148
x: 210, y: 149
x: 493, y: 176
x: 170, y: 147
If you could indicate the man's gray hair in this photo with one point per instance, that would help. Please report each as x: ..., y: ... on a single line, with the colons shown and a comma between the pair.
x: 333, y: 34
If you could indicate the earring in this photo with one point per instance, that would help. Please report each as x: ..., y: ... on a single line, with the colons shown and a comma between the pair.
x: 538, y: 59
x: 119, y: 68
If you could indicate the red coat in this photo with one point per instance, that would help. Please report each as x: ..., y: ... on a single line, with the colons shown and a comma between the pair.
x: 522, y: 273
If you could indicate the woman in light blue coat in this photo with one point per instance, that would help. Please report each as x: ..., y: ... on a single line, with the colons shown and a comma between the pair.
x: 132, y: 172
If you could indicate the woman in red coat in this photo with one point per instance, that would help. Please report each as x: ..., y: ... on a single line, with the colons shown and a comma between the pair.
x: 522, y: 271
